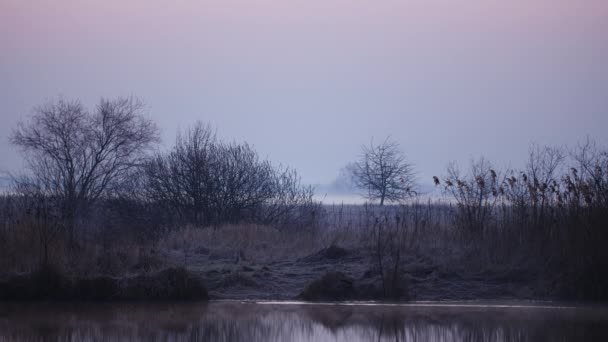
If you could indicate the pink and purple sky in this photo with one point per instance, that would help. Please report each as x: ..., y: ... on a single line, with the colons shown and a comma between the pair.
x: 308, y: 82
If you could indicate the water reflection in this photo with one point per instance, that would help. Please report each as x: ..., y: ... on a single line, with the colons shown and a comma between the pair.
x: 232, y: 321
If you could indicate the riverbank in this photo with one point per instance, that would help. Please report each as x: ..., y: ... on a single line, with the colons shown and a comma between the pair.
x: 50, y: 284
x: 330, y: 274
x: 337, y: 273
x: 252, y: 262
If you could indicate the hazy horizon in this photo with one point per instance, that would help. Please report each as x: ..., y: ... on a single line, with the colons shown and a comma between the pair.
x: 308, y: 82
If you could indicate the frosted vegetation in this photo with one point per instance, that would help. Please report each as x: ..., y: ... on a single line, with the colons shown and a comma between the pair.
x: 98, y: 201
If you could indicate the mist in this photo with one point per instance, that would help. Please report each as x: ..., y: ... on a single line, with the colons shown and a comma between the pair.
x: 310, y: 82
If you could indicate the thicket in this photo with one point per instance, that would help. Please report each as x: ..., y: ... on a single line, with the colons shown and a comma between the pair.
x: 95, y: 199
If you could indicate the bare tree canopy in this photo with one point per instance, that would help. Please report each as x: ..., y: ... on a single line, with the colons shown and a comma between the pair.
x: 207, y: 181
x: 75, y: 155
x: 182, y: 178
x: 383, y: 172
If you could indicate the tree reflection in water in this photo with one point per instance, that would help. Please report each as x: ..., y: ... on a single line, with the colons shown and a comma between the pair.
x: 233, y: 321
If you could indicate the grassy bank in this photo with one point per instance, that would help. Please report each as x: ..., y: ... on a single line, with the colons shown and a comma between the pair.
x: 417, y: 251
x: 50, y: 284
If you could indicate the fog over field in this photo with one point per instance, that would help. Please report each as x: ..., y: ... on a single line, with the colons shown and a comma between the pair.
x: 307, y: 83
x: 294, y: 170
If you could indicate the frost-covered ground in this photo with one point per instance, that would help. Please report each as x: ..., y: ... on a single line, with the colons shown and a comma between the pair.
x: 273, y: 271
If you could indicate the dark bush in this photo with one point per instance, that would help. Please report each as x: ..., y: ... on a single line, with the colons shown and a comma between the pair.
x: 46, y: 283
x: 169, y: 284
x: 332, y: 252
x: 334, y: 286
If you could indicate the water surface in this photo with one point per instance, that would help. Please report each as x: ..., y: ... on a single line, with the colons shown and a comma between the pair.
x: 271, y: 321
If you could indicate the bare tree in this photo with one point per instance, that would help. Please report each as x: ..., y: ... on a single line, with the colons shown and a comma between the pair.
x: 591, y: 173
x: 75, y: 156
x: 181, y: 179
x: 383, y: 172
x: 206, y: 181
x: 291, y: 203
x: 542, y: 167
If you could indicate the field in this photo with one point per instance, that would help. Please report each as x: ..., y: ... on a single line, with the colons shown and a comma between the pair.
x: 415, y: 251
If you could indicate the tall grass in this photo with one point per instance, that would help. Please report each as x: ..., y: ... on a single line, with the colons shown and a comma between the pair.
x: 546, y: 223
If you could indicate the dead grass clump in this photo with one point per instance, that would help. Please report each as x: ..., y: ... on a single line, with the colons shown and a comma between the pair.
x: 251, y: 242
x: 97, y: 288
x: 332, y: 286
x: 170, y: 284
x: 237, y: 279
x: 332, y: 252
x: 91, y: 259
x: 46, y: 283
x: 147, y: 263
x: 22, y: 249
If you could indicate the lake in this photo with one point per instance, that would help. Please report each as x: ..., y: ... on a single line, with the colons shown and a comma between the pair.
x: 296, y: 321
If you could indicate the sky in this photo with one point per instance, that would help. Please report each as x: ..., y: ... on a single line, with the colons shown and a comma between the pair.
x: 308, y: 82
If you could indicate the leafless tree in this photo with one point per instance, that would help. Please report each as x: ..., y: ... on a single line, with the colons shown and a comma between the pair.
x: 383, y: 172
x: 544, y: 162
x: 291, y: 203
x: 542, y: 167
x: 590, y: 175
x: 75, y: 155
x: 243, y: 181
x: 181, y: 179
x: 207, y: 181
